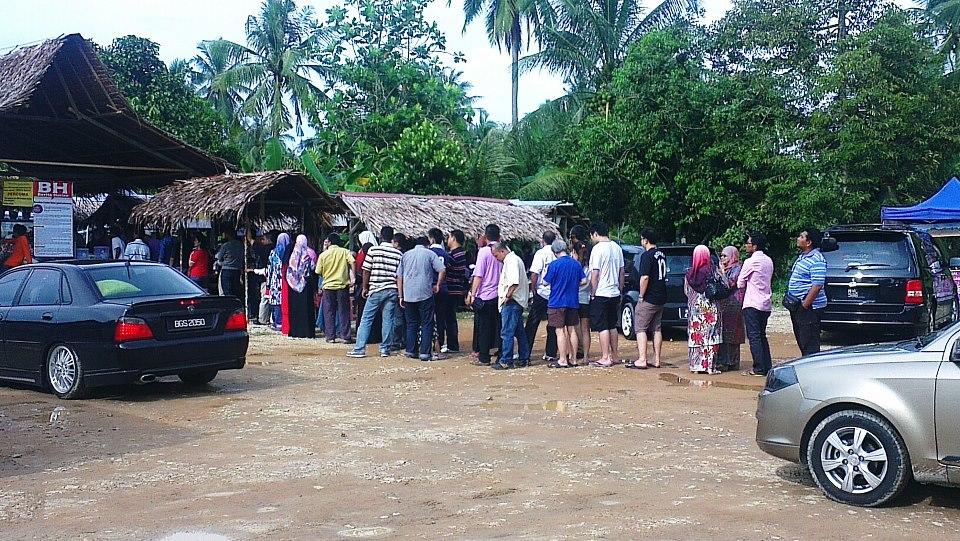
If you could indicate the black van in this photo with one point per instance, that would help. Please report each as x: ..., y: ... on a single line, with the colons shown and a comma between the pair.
x: 679, y: 259
x: 888, y: 278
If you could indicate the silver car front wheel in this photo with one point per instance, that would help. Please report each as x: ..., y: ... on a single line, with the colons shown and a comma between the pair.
x: 858, y: 458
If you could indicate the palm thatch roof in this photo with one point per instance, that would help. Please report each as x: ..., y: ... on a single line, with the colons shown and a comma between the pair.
x: 266, y: 198
x: 416, y: 214
x: 62, y: 117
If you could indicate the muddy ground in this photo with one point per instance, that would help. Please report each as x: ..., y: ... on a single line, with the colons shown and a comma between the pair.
x: 305, y: 443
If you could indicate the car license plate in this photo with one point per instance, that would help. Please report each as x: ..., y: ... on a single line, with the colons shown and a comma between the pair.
x: 852, y: 293
x: 192, y: 323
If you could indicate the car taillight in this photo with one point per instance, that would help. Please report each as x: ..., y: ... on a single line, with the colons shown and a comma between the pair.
x: 914, y: 292
x: 130, y: 329
x: 237, y: 322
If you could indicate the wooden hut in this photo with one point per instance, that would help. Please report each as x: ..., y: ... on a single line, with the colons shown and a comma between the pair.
x: 62, y: 117
x: 265, y: 199
x: 414, y: 215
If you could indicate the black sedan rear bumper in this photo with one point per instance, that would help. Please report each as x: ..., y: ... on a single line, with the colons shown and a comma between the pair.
x: 170, y: 357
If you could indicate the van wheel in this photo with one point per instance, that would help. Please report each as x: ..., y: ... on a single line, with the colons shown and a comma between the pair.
x: 63, y: 373
x: 626, y: 321
x: 858, y: 458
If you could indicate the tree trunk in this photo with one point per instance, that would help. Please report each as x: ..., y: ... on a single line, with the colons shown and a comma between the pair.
x: 842, y: 11
x: 515, y: 72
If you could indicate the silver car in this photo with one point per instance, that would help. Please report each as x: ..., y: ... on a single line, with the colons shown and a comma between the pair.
x: 865, y: 420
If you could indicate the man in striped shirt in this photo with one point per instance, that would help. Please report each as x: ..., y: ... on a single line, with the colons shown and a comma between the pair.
x: 806, y: 283
x: 380, y: 290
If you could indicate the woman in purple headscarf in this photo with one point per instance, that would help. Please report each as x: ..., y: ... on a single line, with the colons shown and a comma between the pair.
x: 300, y: 294
x: 703, y: 320
x: 275, y: 278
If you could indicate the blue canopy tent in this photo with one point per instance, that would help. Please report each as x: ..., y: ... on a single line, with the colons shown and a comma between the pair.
x: 942, y: 211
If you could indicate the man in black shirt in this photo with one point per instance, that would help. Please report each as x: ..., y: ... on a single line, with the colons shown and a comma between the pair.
x: 653, y: 295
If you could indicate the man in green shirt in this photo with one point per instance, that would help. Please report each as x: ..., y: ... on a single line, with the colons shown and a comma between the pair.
x: 335, y: 269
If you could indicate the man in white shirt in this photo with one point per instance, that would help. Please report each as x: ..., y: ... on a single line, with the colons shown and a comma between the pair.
x: 540, y: 293
x: 606, y: 284
x: 513, y: 296
x: 137, y: 250
x: 117, y: 245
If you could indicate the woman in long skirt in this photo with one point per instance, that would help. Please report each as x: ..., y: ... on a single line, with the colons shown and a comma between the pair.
x: 703, y: 319
x: 299, y: 294
x: 731, y: 312
x: 276, y: 279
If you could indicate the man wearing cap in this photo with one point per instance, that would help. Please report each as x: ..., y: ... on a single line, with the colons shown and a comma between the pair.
x: 565, y: 277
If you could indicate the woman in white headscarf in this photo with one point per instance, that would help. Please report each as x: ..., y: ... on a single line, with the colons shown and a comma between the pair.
x: 367, y: 241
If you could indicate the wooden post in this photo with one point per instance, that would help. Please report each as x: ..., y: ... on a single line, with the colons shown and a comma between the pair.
x: 245, y: 280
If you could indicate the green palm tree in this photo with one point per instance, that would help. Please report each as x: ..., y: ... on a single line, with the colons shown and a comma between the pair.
x: 509, y: 25
x: 277, y: 69
x: 946, y: 14
x: 585, y: 40
x: 215, y: 58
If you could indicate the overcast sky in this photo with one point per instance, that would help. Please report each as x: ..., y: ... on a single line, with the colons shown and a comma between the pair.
x: 178, y: 25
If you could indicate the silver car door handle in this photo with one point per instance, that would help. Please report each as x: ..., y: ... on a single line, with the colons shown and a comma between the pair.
x: 47, y: 316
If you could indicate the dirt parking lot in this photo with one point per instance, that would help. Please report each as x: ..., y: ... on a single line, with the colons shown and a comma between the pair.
x: 305, y: 443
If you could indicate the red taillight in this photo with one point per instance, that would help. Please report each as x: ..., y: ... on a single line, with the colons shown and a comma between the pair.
x: 914, y: 292
x: 130, y: 329
x: 237, y: 322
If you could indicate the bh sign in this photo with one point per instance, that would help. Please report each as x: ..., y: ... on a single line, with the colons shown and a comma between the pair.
x: 48, y: 189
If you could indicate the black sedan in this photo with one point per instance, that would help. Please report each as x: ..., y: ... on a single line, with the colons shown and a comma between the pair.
x: 72, y: 326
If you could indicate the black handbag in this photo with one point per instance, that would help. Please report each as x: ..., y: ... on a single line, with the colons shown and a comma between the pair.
x: 791, y: 302
x: 717, y: 289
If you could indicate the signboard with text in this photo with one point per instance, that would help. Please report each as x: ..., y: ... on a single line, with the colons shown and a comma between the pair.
x: 18, y: 193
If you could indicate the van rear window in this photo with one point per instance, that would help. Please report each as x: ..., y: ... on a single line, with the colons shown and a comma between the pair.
x: 878, y: 252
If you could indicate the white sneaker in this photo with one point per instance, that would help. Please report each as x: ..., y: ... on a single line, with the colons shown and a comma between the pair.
x: 444, y: 349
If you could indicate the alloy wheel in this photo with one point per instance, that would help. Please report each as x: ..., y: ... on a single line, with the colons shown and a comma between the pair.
x: 62, y: 369
x: 854, y: 460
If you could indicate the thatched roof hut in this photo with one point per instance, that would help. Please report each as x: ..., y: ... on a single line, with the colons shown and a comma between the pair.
x: 62, y: 117
x: 265, y: 198
x: 416, y: 214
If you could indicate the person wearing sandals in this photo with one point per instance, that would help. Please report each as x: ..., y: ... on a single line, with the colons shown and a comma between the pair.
x: 703, y: 319
x: 731, y: 311
x: 653, y: 295
x: 606, y: 278
x: 565, y: 275
x: 581, y: 252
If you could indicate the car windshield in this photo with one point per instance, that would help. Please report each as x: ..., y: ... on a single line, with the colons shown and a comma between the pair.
x: 678, y: 263
x: 131, y: 281
x: 864, y: 251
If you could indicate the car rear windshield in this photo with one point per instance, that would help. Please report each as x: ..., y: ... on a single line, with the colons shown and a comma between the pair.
x: 131, y: 281
x: 869, y: 250
x: 679, y: 261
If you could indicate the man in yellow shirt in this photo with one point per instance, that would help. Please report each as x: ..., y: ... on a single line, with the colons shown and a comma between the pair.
x: 335, y: 269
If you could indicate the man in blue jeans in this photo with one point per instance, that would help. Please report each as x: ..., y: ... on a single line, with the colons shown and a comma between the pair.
x: 419, y: 276
x: 513, y: 296
x: 380, y: 290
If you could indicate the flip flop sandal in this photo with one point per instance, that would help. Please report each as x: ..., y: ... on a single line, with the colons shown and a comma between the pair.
x: 595, y: 364
x: 632, y: 366
x: 558, y: 365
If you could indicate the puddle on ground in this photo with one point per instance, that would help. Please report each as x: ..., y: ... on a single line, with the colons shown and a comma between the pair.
x: 195, y: 536
x: 57, y: 414
x: 366, y: 532
x: 680, y: 381
x: 549, y: 405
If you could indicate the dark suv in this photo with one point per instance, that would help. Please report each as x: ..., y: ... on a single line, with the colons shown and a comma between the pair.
x: 888, y: 278
x: 679, y: 259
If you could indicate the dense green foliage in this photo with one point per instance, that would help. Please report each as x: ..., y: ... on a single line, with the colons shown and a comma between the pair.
x: 780, y: 114
x: 162, y: 96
